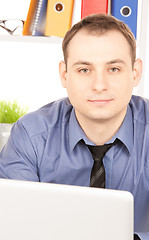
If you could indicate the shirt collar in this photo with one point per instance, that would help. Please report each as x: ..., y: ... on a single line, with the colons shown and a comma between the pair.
x: 124, y: 134
x: 76, y: 133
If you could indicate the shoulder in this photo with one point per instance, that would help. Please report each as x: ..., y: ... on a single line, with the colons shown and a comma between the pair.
x: 52, y: 115
x: 140, y: 109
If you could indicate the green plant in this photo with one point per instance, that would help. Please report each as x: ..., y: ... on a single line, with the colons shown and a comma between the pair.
x: 10, y: 112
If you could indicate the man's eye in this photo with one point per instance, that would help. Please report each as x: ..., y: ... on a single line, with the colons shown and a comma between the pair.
x: 84, y: 70
x: 114, y: 69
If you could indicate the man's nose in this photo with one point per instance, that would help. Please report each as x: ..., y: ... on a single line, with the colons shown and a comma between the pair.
x: 99, y: 83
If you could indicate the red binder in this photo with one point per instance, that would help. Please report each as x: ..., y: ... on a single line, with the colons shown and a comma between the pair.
x: 93, y: 6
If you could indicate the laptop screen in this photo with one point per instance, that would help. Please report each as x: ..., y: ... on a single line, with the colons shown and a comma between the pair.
x: 44, y: 211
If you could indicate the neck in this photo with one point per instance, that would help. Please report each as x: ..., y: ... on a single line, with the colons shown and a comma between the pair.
x: 100, y: 131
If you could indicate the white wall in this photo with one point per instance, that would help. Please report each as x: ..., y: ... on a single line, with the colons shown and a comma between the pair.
x: 29, y: 69
x: 142, y: 46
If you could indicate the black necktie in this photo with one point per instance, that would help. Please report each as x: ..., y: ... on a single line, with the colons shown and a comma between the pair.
x: 97, y: 178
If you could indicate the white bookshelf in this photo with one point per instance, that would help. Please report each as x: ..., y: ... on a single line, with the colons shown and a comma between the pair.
x: 31, y: 39
x: 29, y: 64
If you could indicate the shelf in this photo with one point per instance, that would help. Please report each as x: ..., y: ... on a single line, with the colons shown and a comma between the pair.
x: 31, y: 39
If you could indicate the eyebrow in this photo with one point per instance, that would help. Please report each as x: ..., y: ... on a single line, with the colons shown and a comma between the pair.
x: 82, y: 63
x: 118, y: 60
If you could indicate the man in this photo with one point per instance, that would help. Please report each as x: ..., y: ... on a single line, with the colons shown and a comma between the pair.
x: 55, y: 144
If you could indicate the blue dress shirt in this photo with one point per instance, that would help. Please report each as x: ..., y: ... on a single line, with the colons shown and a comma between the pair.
x: 45, y: 146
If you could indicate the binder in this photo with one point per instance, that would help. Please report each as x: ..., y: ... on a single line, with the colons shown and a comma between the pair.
x: 59, y: 17
x: 36, y: 18
x: 93, y: 6
x: 126, y: 11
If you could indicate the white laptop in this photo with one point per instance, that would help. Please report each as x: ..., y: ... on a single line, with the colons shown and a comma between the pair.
x: 43, y: 211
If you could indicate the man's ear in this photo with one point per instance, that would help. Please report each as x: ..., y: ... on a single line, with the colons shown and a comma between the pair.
x: 137, y: 71
x: 62, y: 73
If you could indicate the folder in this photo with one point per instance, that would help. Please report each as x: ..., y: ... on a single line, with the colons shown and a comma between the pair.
x: 59, y: 17
x: 36, y: 18
x: 126, y: 11
x: 93, y: 6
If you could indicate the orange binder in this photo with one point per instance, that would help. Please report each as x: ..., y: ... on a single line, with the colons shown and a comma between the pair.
x: 93, y: 6
x: 30, y: 15
x: 35, y: 21
x: 59, y: 17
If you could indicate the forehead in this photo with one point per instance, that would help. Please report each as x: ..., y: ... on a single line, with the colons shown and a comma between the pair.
x: 111, y: 44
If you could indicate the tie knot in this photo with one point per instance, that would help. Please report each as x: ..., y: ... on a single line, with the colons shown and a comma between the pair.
x: 98, y: 152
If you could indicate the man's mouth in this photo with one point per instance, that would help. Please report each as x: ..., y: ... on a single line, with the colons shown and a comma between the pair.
x: 100, y: 101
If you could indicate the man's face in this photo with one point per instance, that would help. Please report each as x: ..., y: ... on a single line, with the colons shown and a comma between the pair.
x: 99, y: 77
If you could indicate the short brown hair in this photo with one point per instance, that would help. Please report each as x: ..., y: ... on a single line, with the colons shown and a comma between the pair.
x: 98, y: 24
